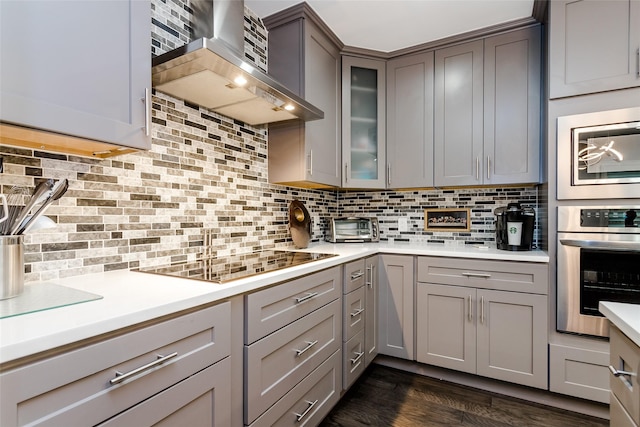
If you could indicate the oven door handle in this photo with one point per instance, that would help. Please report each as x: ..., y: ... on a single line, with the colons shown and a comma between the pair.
x: 599, y: 244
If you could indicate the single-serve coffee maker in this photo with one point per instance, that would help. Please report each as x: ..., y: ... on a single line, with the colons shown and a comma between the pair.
x: 514, y: 227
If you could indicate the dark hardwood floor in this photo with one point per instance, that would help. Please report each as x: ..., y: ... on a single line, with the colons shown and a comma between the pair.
x: 386, y: 396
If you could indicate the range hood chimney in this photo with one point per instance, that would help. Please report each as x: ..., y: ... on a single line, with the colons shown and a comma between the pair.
x: 210, y: 71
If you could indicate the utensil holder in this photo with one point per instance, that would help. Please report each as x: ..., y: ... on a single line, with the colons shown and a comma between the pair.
x: 11, y: 266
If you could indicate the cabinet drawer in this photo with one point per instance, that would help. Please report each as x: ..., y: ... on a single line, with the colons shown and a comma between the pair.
x: 309, y: 401
x: 354, y: 313
x: 354, y: 275
x: 278, y: 362
x: 353, y: 363
x: 204, y: 396
x: 502, y: 275
x: 579, y: 372
x: 625, y: 356
x: 75, y: 388
x: 269, y: 310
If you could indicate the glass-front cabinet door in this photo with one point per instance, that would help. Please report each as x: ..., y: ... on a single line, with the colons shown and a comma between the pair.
x: 363, y: 123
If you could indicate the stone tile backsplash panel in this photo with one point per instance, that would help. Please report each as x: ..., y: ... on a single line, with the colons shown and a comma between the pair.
x: 204, y: 171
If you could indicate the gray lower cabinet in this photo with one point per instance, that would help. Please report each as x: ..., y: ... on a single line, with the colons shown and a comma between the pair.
x: 579, y: 372
x: 625, y: 389
x: 293, y: 329
x: 168, y: 373
x: 305, y: 57
x: 410, y: 121
x: 496, y: 333
x: 396, y: 306
x: 354, y: 321
x: 93, y: 86
x: 593, y: 46
x: 487, y: 110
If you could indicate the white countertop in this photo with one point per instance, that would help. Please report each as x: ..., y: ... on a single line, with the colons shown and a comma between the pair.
x: 131, y: 297
x: 626, y: 317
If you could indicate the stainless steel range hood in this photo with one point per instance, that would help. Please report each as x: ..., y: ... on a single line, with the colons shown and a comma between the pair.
x: 209, y: 71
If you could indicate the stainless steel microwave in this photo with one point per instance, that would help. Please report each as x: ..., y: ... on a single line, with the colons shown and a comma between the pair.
x: 353, y: 229
x: 599, y: 155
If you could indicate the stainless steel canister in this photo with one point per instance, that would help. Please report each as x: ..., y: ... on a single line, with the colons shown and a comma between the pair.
x: 11, y: 266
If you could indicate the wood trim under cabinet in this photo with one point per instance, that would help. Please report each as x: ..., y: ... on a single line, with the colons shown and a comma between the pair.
x: 19, y: 136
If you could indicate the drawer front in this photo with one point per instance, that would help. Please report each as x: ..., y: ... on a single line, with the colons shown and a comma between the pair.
x: 276, y: 363
x: 625, y: 356
x: 203, y: 397
x: 354, y: 313
x: 309, y: 401
x: 75, y: 388
x: 579, y: 373
x: 269, y: 310
x: 354, y: 275
x: 353, y: 363
x: 501, y: 275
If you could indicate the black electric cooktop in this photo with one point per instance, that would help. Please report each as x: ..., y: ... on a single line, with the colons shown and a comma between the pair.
x: 234, y: 267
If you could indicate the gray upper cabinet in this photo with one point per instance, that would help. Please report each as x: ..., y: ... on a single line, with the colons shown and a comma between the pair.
x: 487, y: 111
x: 410, y: 121
x: 593, y: 46
x: 512, y: 98
x: 363, y: 122
x: 305, y: 58
x: 458, y: 115
x: 77, y: 69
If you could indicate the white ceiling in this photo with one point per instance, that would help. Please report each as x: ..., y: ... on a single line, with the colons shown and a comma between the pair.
x: 390, y: 25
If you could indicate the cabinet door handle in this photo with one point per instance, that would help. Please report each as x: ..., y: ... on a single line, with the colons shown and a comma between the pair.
x: 478, y: 275
x: 470, y: 315
x: 371, y: 269
x: 120, y: 377
x: 356, y: 275
x: 357, y: 312
x: 477, y: 168
x: 638, y: 62
x: 482, y: 310
x: 299, y: 417
x: 147, y: 111
x: 310, y: 156
x: 357, y: 358
x: 309, y: 345
x: 308, y: 296
x: 389, y: 173
x: 621, y: 373
x: 488, y: 168
x: 346, y: 172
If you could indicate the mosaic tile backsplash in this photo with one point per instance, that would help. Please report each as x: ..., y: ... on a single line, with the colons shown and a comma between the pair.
x: 204, y: 171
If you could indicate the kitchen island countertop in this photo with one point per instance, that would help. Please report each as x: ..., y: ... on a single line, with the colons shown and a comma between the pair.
x: 130, y: 297
x: 625, y: 317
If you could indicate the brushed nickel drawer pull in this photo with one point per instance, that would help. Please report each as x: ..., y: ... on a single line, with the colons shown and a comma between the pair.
x: 620, y: 373
x: 470, y: 315
x: 147, y: 111
x: 309, y: 345
x: 479, y: 275
x: 358, y: 274
x: 482, y: 310
x: 120, y: 377
x: 308, y: 296
x: 357, y: 358
x: 357, y: 312
x: 299, y: 417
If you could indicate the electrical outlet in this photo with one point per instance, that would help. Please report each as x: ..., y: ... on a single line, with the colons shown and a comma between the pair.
x: 402, y: 224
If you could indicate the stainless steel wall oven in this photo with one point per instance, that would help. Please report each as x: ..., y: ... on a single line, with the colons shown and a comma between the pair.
x: 599, y: 155
x: 598, y: 260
